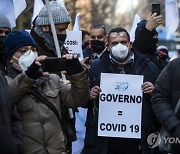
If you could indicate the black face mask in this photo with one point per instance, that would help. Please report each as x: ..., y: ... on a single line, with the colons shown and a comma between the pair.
x: 1, y: 43
x: 97, y: 46
x: 61, y: 37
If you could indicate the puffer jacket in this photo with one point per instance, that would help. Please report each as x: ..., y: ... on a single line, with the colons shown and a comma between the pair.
x: 43, y: 132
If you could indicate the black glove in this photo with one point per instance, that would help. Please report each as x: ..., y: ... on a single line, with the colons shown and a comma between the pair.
x: 73, y: 66
x: 175, y: 132
x: 33, y: 71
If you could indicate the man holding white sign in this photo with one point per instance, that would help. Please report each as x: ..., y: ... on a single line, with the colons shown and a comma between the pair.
x: 119, y: 126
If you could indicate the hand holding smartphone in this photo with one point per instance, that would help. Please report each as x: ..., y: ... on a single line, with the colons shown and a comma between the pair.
x: 53, y: 64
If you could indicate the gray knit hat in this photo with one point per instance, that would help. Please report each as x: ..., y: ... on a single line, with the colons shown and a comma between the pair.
x: 4, y: 22
x: 59, y: 14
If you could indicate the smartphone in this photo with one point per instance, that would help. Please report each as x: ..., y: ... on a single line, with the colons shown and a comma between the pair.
x: 156, y: 9
x: 53, y: 64
x: 89, y: 59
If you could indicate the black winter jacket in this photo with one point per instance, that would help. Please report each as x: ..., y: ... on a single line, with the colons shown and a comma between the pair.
x: 145, y: 44
x: 166, y: 95
x: 11, y: 135
x: 141, y: 66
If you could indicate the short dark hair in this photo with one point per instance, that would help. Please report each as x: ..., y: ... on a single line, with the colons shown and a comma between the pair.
x: 118, y: 30
x: 84, y: 32
x: 98, y: 26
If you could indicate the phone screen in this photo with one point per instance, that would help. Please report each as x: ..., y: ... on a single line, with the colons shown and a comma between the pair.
x: 156, y: 9
x: 54, y: 64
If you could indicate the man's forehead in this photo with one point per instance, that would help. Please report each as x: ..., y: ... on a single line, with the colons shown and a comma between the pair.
x: 96, y: 32
x: 118, y: 36
x: 61, y: 26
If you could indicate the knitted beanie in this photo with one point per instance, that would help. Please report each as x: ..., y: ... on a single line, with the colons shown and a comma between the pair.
x: 4, y: 22
x: 59, y: 14
x: 16, y: 40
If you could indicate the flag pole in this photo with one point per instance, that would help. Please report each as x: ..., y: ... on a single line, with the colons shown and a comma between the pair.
x: 53, y: 29
x: 54, y: 34
x: 56, y: 45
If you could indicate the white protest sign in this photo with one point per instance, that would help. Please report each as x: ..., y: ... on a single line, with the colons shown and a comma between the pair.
x: 74, y: 43
x: 120, y: 105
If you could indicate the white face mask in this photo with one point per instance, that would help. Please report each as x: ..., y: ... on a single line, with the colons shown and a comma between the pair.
x: 27, y: 59
x: 119, y: 51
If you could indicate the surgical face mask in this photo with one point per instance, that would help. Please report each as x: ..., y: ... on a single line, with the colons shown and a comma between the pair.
x: 119, y: 51
x: 27, y: 59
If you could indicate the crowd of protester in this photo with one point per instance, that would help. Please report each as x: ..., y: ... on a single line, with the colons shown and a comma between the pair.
x: 35, y: 101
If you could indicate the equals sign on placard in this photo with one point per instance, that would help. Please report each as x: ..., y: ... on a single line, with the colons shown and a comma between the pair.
x: 119, y: 112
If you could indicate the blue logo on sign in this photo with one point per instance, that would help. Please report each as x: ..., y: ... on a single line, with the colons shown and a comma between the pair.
x: 122, y: 86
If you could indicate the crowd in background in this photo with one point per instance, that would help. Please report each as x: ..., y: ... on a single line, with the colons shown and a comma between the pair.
x: 41, y: 113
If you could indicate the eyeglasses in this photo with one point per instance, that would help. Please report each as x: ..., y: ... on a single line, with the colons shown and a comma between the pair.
x: 25, y: 50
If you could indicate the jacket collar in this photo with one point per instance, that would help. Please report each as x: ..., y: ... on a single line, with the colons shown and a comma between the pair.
x: 137, y: 59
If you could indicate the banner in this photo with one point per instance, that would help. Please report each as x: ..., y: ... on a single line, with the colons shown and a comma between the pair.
x: 19, y: 6
x: 171, y: 16
x: 133, y: 28
x: 12, y: 9
x: 77, y: 24
x: 38, y: 5
x: 120, y: 105
x: 74, y: 43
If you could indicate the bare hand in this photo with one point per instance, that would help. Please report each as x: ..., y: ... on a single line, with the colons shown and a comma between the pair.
x: 147, y: 87
x: 70, y: 56
x: 153, y: 21
x: 85, y: 62
x: 94, y: 93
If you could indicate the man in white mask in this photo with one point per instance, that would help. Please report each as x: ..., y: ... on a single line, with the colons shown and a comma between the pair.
x: 119, y: 59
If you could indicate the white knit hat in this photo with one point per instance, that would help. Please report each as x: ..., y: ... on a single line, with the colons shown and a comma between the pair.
x: 4, y: 22
x: 59, y: 14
